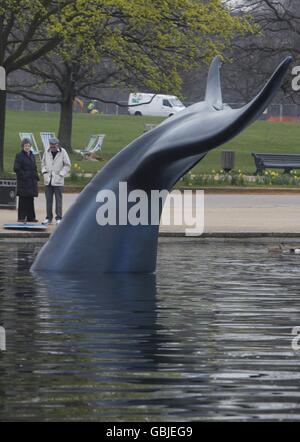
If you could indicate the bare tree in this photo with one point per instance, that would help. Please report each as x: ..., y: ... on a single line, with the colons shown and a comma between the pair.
x: 29, y: 30
x: 278, y: 35
x: 54, y: 80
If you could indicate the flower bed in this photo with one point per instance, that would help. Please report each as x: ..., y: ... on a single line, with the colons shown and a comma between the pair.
x: 239, y: 178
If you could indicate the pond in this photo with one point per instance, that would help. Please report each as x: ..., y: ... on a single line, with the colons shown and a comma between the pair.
x: 208, y: 338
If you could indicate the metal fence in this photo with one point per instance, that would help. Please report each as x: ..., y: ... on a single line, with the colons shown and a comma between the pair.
x: 278, y: 111
x: 21, y: 104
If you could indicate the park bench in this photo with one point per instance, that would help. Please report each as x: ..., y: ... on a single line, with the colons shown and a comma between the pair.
x: 287, y: 162
x: 93, y: 146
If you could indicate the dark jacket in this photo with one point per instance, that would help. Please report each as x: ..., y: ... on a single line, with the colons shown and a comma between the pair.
x: 27, y: 175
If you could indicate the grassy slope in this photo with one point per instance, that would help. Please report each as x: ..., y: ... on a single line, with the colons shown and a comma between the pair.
x: 121, y: 130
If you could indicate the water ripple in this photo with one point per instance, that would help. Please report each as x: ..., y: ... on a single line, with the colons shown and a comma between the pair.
x: 210, y: 338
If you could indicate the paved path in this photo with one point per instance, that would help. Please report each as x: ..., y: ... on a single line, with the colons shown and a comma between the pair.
x: 252, y: 213
x: 223, y: 213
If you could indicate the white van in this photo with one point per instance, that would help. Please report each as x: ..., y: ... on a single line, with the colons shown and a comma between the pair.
x: 159, y: 106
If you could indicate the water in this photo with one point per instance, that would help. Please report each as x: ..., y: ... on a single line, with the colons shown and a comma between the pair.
x: 209, y: 339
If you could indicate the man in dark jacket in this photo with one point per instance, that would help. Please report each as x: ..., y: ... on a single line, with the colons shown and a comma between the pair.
x: 27, y: 182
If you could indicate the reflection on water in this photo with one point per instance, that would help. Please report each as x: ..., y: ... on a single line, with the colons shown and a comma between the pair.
x: 208, y: 338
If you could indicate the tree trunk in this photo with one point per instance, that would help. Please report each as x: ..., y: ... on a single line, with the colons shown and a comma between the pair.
x: 2, y: 127
x: 66, y: 124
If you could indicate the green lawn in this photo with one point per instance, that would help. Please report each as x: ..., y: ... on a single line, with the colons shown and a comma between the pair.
x: 121, y: 130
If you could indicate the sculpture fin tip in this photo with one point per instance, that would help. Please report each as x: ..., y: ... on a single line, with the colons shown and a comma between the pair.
x: 213, y: 94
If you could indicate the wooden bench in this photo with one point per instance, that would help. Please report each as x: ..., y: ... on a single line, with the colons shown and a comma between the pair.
x: 287, y: 162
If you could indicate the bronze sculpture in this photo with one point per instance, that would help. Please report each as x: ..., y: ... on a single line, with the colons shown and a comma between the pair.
x: 156, y: 160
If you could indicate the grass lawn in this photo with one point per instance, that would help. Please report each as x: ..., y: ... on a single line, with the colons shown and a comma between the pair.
x: 121, y: 130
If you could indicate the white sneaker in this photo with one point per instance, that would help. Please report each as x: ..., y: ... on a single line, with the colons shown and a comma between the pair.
x: 58, y: 221
x: 47, y: 221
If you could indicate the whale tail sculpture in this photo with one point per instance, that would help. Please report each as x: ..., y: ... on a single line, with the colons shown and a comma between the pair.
x: 155, y: 161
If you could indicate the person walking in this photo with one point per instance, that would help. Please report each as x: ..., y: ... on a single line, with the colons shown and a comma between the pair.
x: 55, y: 166
x: 27, y: 182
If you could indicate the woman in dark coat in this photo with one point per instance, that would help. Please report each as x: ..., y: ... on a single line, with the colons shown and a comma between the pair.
x: 27, y: 182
